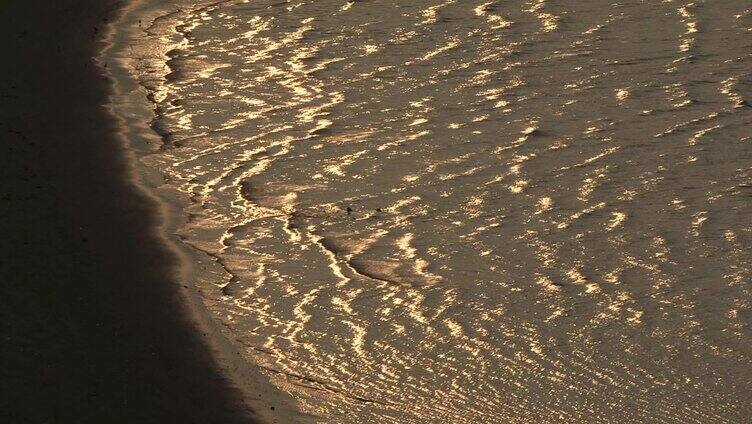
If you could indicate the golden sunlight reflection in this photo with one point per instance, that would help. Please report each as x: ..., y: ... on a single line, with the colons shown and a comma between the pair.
x: 474, y: 211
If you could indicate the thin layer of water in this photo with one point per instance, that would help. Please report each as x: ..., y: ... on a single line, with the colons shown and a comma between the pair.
x: 470, y: 211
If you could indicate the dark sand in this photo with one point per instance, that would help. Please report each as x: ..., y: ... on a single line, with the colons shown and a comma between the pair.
x: 92, y: 326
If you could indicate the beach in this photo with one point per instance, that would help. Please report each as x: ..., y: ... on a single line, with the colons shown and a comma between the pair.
x: 435, y: 211
x: 95, y: 327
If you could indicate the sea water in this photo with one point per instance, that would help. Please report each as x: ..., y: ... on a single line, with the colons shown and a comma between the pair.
x: 468, y: 211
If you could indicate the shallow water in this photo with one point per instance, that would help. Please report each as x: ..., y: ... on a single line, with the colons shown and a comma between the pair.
x: 469, y: 211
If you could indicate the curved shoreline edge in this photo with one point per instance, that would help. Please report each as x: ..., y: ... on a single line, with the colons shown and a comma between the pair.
x: 129, y: 105
x: 95, y: 326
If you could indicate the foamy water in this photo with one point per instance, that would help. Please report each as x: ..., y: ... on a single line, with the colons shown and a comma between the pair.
x: 469, y: 211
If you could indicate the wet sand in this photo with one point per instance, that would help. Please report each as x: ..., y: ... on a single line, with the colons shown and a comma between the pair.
x: 93, y: 327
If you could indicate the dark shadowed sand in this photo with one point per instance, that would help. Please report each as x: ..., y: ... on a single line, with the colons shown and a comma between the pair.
x: 93, y: 329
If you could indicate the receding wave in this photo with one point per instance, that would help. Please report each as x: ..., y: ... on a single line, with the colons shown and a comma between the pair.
x: 469, y: 211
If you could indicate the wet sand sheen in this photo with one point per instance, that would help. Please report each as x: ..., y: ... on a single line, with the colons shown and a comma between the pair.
x: 450, y: 211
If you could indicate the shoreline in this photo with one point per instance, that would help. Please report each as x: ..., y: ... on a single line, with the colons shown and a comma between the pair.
x: 95, y: 327
x: 130, y: 106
